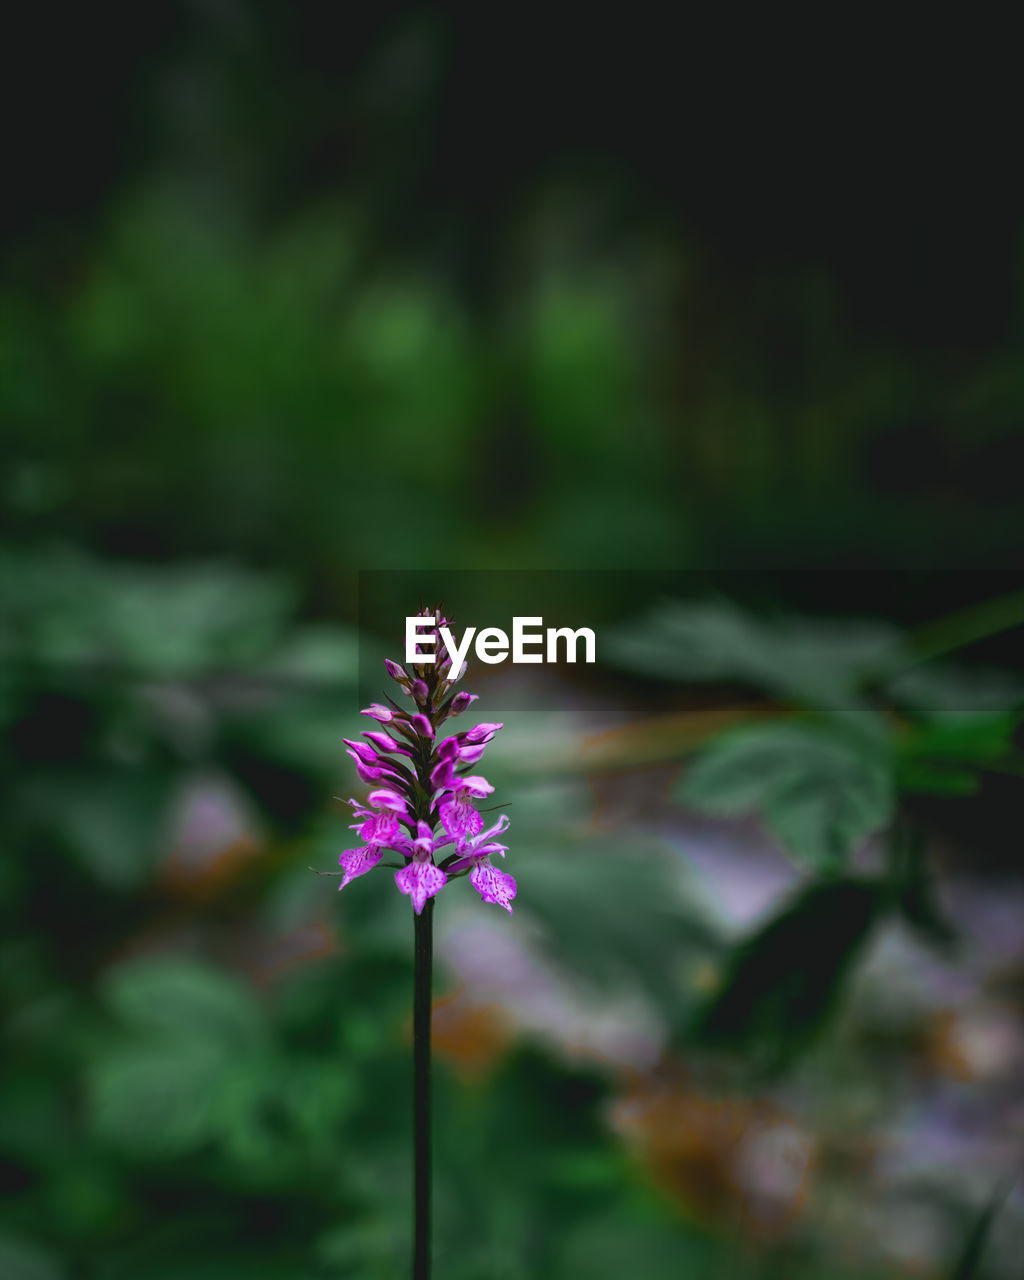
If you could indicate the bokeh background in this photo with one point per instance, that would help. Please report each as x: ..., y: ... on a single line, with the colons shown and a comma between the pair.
x: 719, y: 312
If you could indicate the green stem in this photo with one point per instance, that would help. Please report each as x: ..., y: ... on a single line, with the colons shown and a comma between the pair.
x: 423, y: 955
x: 957, y: 630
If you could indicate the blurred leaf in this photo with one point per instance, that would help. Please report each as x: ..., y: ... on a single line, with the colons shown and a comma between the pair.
x: 157, y: 1099
x: 943, y: 756
x: 183, y: 619
x: 818, y: 662
x: 782, y: 983
x: 20, y: 1260
x: 968, y: 1263
x: 823, y: 817
x: 111, y: 819
x: 316, y: 653
x: 271, y: 1112
x: 607, y: 1249
x: 975, y: 739
x: 820, y: 794
x: 183, y: 998
x: 163, y: 1090
x: 363, y: 1248
x: 199, y: 1069
x: 613, y: 909
x: 938, y: 689
x: 62, y: 607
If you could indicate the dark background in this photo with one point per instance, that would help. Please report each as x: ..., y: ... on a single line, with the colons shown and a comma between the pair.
x: 338, y: 287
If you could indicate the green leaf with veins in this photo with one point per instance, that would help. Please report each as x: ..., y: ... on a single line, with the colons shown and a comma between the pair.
x: 821, y: 793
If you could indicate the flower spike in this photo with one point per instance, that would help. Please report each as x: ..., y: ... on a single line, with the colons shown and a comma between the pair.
x: 418, y: 805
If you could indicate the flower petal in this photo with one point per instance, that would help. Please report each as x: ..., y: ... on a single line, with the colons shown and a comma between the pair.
x: 387, y: 799
x: 356, y: 862
x: 500, y: 826
x: 420, y: 880
x: 459, y: 818
x: 483, y: 732
x: 476, y: 786
x: 493, y: 885
x: 381, y: 829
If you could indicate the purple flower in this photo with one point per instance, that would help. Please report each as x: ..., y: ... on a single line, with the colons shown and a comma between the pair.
x: 380, y: 828
x: 356, y: 862
x: 491, y: 884
x: 458, y: 816
x: 421, y: 803
x: 386, y: 799
x: 421, y: 880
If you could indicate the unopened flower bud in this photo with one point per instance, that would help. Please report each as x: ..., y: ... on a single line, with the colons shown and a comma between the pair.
x: 442, y: 774
x: 482, y: 732
x: 422, y: 726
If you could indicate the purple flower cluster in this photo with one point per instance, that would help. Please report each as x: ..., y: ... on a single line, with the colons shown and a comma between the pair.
x: 420, y: 781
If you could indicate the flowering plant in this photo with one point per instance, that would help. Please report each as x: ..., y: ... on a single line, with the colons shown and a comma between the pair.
x: 421, y: 782
x: 423, y: 807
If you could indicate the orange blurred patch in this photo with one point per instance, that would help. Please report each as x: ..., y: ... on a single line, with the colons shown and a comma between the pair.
x: 976, y: 1043
x: 660, y: 739
x: 726, y: 1161
x: 204, y: 880
x: 470, y: 1035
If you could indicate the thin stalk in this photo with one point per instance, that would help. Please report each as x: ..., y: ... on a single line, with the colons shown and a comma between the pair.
x: 423, y: 961
x: 956, y: 631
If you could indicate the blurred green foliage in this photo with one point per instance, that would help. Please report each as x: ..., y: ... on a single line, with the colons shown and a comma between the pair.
x: 178, y: 1098
x: 861, y: 721
x: 871, y: 717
